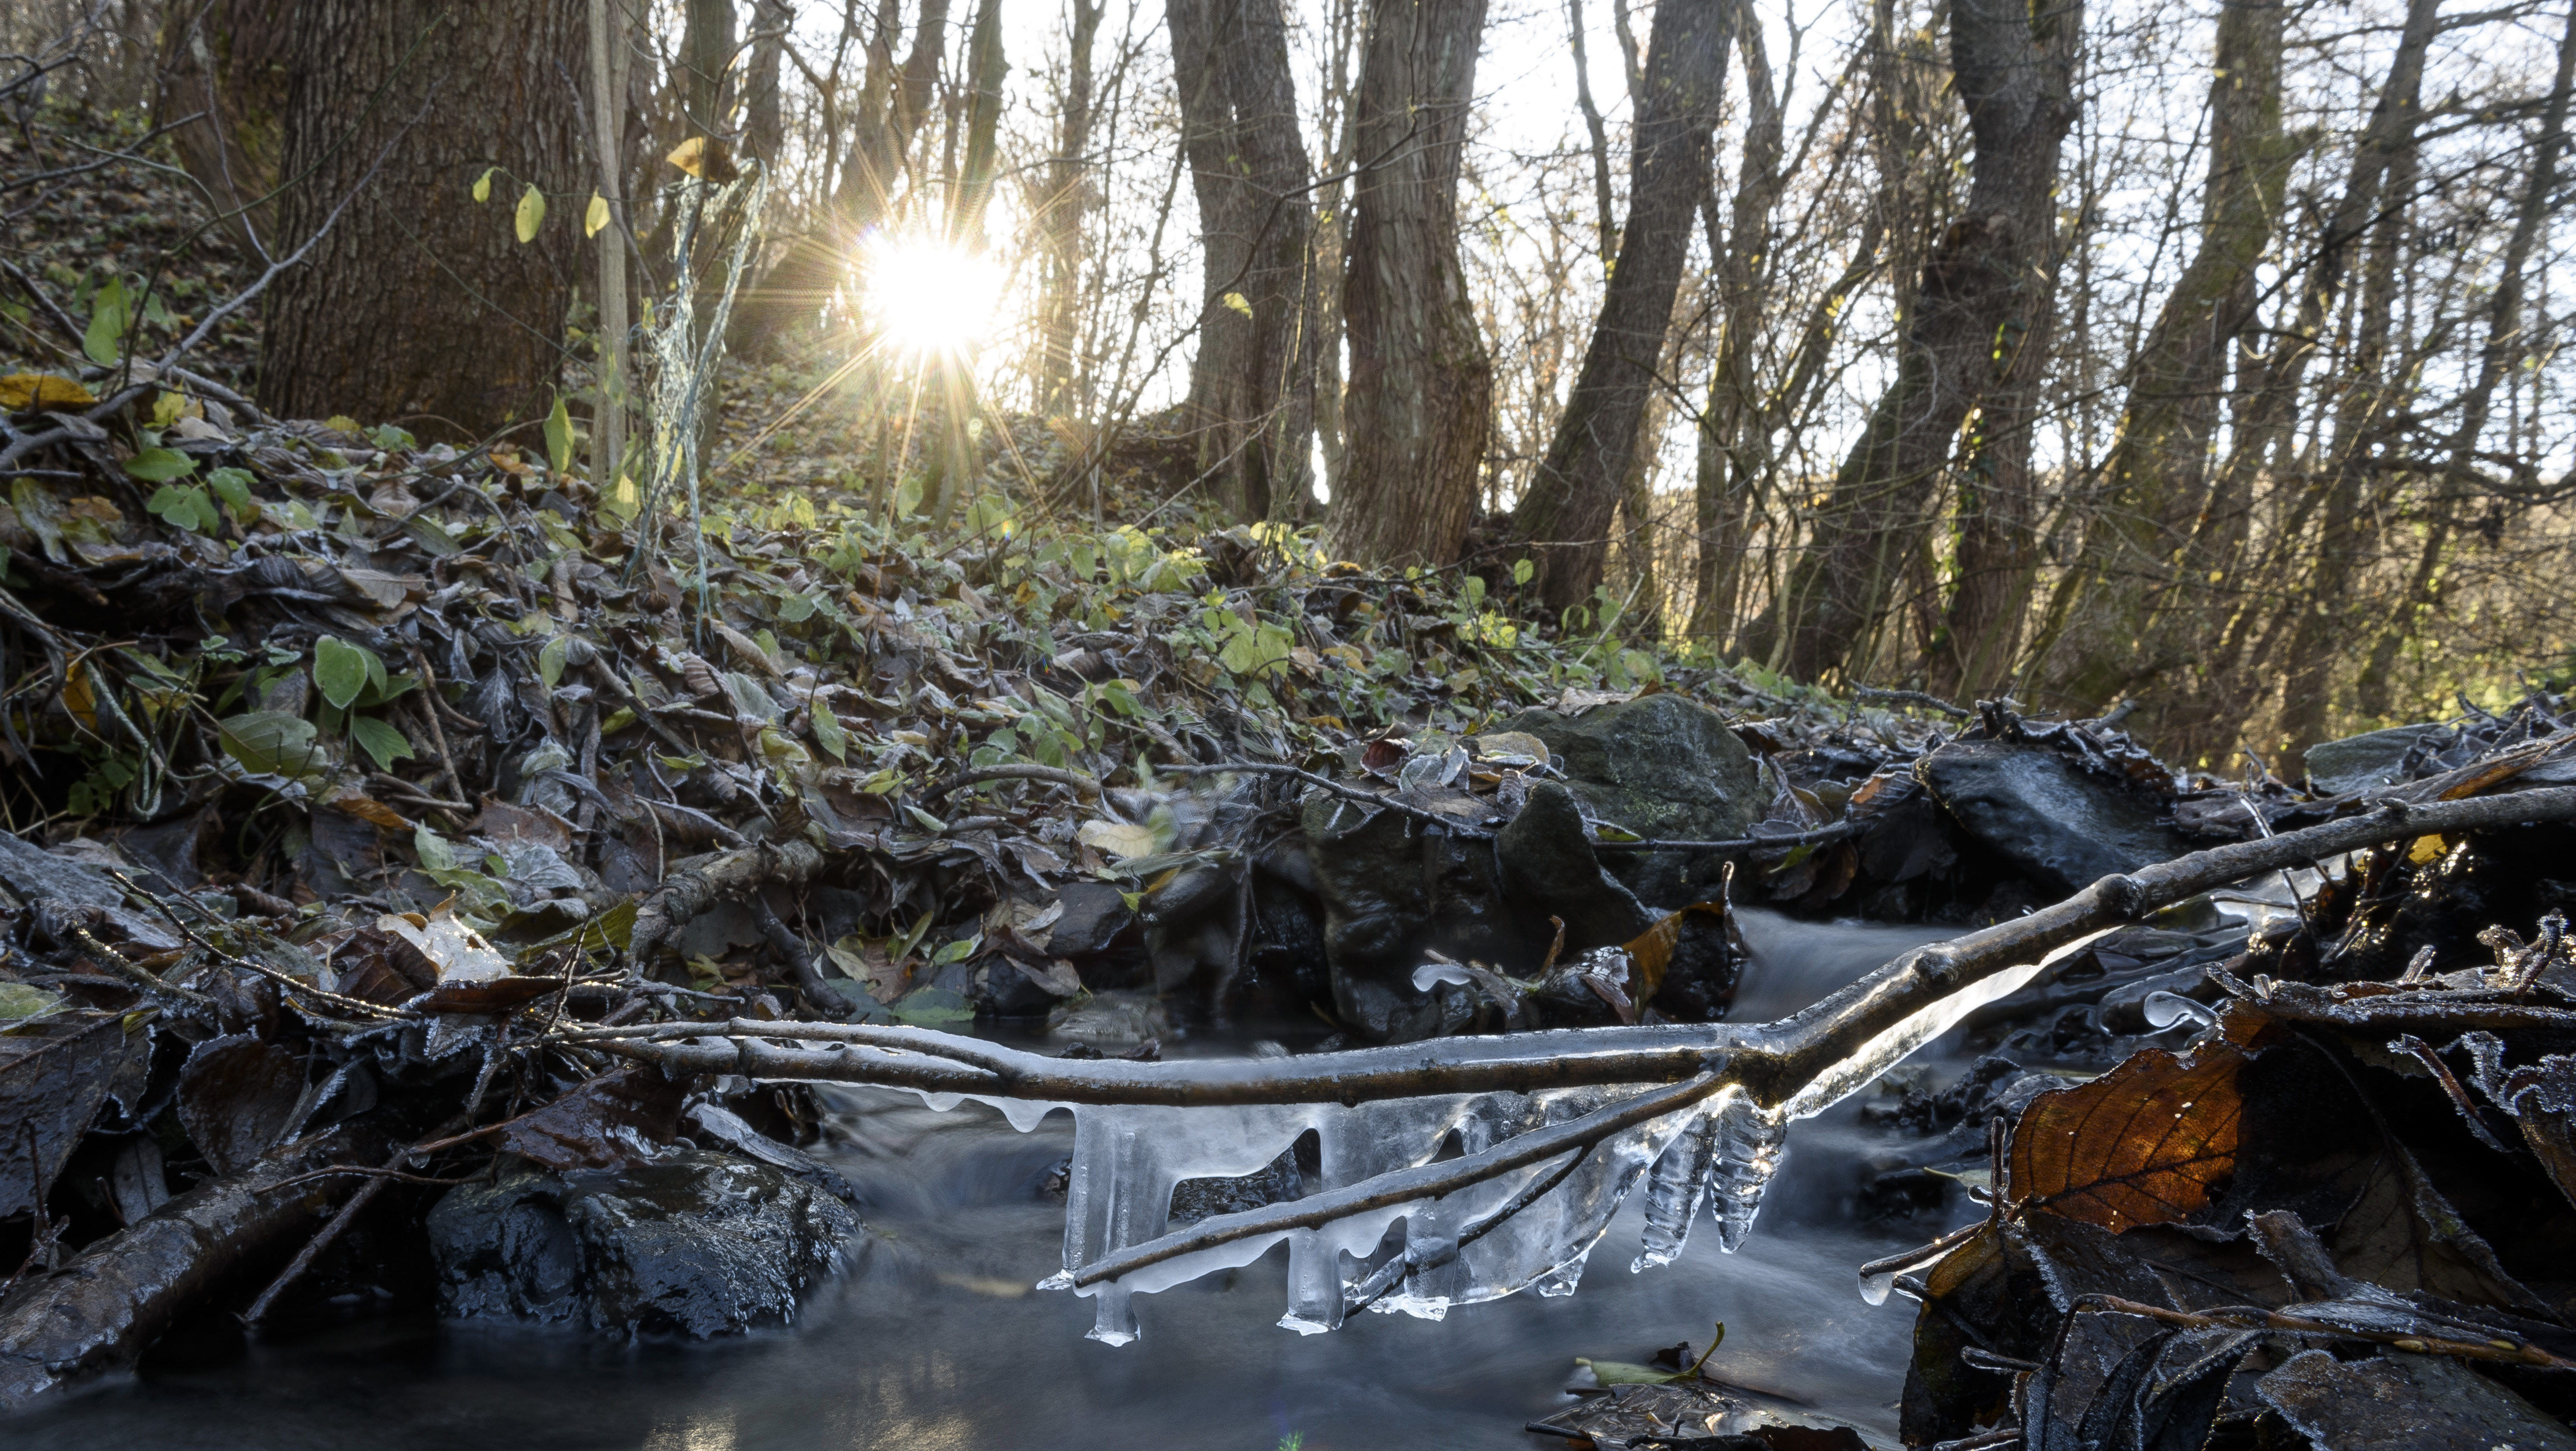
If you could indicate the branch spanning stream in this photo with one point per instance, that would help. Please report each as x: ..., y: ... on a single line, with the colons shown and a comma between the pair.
x: 1767, y: 1072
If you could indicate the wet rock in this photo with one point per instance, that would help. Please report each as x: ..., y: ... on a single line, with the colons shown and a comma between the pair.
x: 1096, y: 916
x: 693, y: 1243
x: 1110, y: 1020
x: 1551, y: 870
x: 2041, y: 811
x: 1395, y: 889
x: 1275, y: 1182
x: 2357, y: 763
x: 1659, y: 766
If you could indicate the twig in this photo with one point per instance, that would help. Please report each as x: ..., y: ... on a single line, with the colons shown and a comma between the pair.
x: 1342, y: 789
x: 1922, y: 698
x: 322, y: 1239
x: 1835, y: 832
x: 1428, y: 1181
x: 2255, y: 1317
x: 981, y: 774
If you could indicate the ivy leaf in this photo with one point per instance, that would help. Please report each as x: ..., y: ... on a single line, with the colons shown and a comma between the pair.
x: 109, y: 316
x: 270, y: 743
x: 558, y: 436
x: 342, y: 670
x: 233, y: 487
x: 532, y: 213
x: 829, y: 735
x: 382, y: 741
x: 186, y: 507
x: 483, y: 184
x: 550, y: 660
x: 595, y: 219
x: 160, y: 465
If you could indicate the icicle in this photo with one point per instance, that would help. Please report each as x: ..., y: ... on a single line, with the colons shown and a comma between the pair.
x: 1676, y: 1189
x: 1751, y: 1141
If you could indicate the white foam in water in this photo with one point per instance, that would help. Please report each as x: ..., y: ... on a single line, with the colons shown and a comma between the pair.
x: 1719, y: 1154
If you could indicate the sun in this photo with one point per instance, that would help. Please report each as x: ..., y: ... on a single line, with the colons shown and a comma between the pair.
x: 927, y: 296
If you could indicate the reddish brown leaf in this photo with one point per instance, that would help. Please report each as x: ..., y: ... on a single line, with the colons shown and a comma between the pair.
x: 607, y: 1122
x: 2146, y: 1143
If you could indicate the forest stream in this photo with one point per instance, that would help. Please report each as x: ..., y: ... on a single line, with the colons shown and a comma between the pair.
x: 935, y: 1339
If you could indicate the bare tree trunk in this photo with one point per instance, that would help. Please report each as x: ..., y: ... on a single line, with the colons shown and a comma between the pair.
x: 226, y: 62
x: 764, y: 129
x: 2013, y: 70
x: 706, y: 68
x: 893, y: 103
x: 1421, y: 382
x: 2141, y: 584
x: 607, y: 122
x: 2506, y: 342
x: 421, y: 308
x: 1252, y: 384
x: 1068, y: 197
x: 1731, y: 425
x: 1608, y: 214
x: 1332, y: 231
x: 1564, y: 516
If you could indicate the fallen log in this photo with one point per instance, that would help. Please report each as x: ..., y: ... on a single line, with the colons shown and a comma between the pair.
x: 99, y: 1312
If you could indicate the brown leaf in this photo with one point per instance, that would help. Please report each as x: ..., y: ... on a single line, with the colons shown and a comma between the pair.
x: 371, y: 811
x: 606, y: 1123
x: 2145, y: 1143
x: 55, y: 1074
x: 237, y: 1098
x: 485, y: 998
x: 2403, y: 1235
x: 747, y: 650
x: 379, y: 967
x: 1697, y: 935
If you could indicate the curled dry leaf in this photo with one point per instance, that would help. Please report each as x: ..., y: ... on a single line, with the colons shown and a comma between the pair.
x: 2146, y: 1143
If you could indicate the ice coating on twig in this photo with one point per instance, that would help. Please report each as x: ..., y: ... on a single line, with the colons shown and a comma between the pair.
x: 1529, y: 1227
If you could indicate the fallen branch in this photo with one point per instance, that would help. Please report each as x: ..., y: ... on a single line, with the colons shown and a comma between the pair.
x: 1404, y: 1186
x: 1087, y: 785
x: 696, y: 884
x: 1772, y: 1061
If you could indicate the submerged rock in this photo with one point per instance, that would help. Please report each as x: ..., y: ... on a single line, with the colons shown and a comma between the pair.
x: 693, y: 1243
x: 1659, y: 766
x: 2062, y: 826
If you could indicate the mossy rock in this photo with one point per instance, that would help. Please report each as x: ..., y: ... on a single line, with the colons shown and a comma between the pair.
x: 1660, y: 766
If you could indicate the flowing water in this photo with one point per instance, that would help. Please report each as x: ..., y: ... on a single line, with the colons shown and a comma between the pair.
x: 936, y: 1342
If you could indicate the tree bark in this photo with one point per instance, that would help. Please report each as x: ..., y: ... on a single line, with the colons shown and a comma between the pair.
x: 1421, y: 389
x: 764, y: 128
x: 1068, y: 198
x: 1564, y: 516
x: 1986, y: 289
x: 2506, y: 341
x: 422, y: 308
x: 228, y: 59
x: 1252, y: 382
x: 1731, y: 426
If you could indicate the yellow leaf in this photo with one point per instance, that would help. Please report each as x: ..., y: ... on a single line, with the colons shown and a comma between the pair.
x: 1117, y: 839
x: 703, y: 158
x: 22, y: 391
x: 167, y: 408
x: 532, y: 213
x: 2427, y: 849
x: 343, y: 423
x: 596, y: 217
x: 483, y: 184
x: 1238, y: 302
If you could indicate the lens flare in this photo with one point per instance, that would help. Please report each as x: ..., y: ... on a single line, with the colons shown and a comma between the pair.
x: 927, y: 296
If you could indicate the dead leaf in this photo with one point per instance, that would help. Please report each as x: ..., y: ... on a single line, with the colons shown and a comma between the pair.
x: 56, y: 1072
x: 237, y: 1098
x: 454, y: 951
x: 1119, y: 840
x: 2406, y: 1403
x: 705, y: 158
x: 748, y: 651
x: 1697, y: 934
x: 2145, y: 1143
x: 610, y: 1122
x: 20, y: 392
x: 369, y: 810
x: 2403, y: 1235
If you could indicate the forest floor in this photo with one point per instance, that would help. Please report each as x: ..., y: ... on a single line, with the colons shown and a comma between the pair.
x: 356, y: 785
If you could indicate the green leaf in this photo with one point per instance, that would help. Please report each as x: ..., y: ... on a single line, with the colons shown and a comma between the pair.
x: 532, y: 213
x: 550, y: 660
x: 483, y: 184
x: 1522, y: 571
x: 186, y: 507
x: 957, y: 951
x: 828, y: 733
x: 19, y: 1002
x: 271, y: 743
x: 382, y: 741
x: 109, y: 317
x: 160, y: 465
x: 558, y: 432
x: 929, y: 1006
x: 436, y: 853
x: 342, y: 669
x: 233, y: 487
